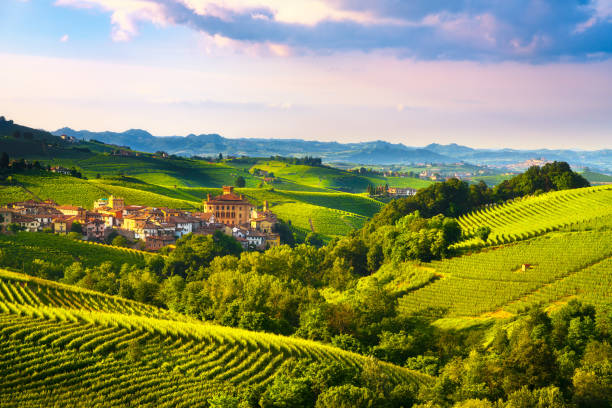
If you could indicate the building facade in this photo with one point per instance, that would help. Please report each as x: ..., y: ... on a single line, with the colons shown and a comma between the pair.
x: 229, y: 208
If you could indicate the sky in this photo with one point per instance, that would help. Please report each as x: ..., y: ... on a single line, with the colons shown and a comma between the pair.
x: 483, y: 73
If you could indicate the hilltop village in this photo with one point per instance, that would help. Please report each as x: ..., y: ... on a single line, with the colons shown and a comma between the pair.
x: 150, y: 228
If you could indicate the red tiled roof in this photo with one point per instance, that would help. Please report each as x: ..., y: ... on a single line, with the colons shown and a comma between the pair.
x: 229, y: 197
x: 70, y: 207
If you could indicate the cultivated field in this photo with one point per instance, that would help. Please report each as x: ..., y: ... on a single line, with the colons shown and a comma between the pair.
x: 533, y: 216
x: 62, y: 346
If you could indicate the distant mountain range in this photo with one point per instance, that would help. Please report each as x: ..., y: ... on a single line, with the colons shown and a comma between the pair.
x: 368, y: 153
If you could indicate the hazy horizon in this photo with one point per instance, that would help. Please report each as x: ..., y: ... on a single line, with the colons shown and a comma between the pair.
x: 526, y: 75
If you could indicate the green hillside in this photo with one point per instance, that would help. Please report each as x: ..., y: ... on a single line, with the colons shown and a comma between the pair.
x: 492, y: 281
x: 24, y: 249
x: 62, y: 347
x: 534, y: 215
x: 326, y: 200
x: 597, y: 178
x: 72, y: 190
x: 331, y: 213
x: 324, y: 177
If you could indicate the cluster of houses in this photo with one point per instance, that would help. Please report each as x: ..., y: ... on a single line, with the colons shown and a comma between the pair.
x: 157, y: 227
x: 401, y: 191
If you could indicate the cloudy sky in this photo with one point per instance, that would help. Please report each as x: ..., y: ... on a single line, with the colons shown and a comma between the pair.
x: 485, y: 73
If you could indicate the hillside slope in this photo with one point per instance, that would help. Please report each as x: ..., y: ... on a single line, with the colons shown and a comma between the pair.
x: 493, y: 283
x: 62, y: 346
x: 535, y: 215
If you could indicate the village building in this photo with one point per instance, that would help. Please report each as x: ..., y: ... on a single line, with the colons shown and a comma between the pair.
x: 72, y: 210
x: 7, y: 215
x: 228, y: 213
x: 400, y: 191
x: 273, y: 240
x: 155, y: 243
x: 27, y: 222
x: 60, y: 170
x: 256, y: 240
x: 133, y: 209
x: 229, y: 208
x: 95, y: 230
x: 205, y: 217
x: 62, y: 224
x: 184, y: 225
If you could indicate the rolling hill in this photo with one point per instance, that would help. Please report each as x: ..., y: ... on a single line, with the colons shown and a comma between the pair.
x: 62, y: 346
x: 530, y: 216
x: 375, y: 152
x: 492, y: 282
x: 322, y: 199
x: 330, y: 213
x: 542, y: 251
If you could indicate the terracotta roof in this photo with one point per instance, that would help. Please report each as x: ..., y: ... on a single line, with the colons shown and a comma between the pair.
x: 94, y: 221
x: 65, y: 218
x: 262, y: 219
x: 204, y: 215
x: 182, y: 220
x: 70, y: 207
x: 160, y: 238
x: 228, y: 197
x: 23, y: 218
x: 136, y: 217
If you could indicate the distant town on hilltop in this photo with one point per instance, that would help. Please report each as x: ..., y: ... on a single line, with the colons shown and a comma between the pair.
x: 147, y: 228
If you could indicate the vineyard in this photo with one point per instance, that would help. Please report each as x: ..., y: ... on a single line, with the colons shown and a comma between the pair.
x: 533, y: 216
x: 20, y: 250
x: 62, y: 346
x: 75, y: 191
x: 555, y: 265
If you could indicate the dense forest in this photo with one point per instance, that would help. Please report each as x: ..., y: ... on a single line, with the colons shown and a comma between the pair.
x: 325, y: 293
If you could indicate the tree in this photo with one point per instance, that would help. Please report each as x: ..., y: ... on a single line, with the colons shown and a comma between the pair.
x: 193, y: 253
x: 224, y: 401
x: 4, y: 161
x: 346, y: 396
x: 483, y: 233
x: 287, y: 392
x: 77, y: 227
x: 120, y: 241
x: 240, y: 182
x: 314, y: 239
x: 14, y: 227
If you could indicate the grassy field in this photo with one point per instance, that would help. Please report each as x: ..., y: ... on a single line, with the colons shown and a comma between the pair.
x: 63, y: 346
